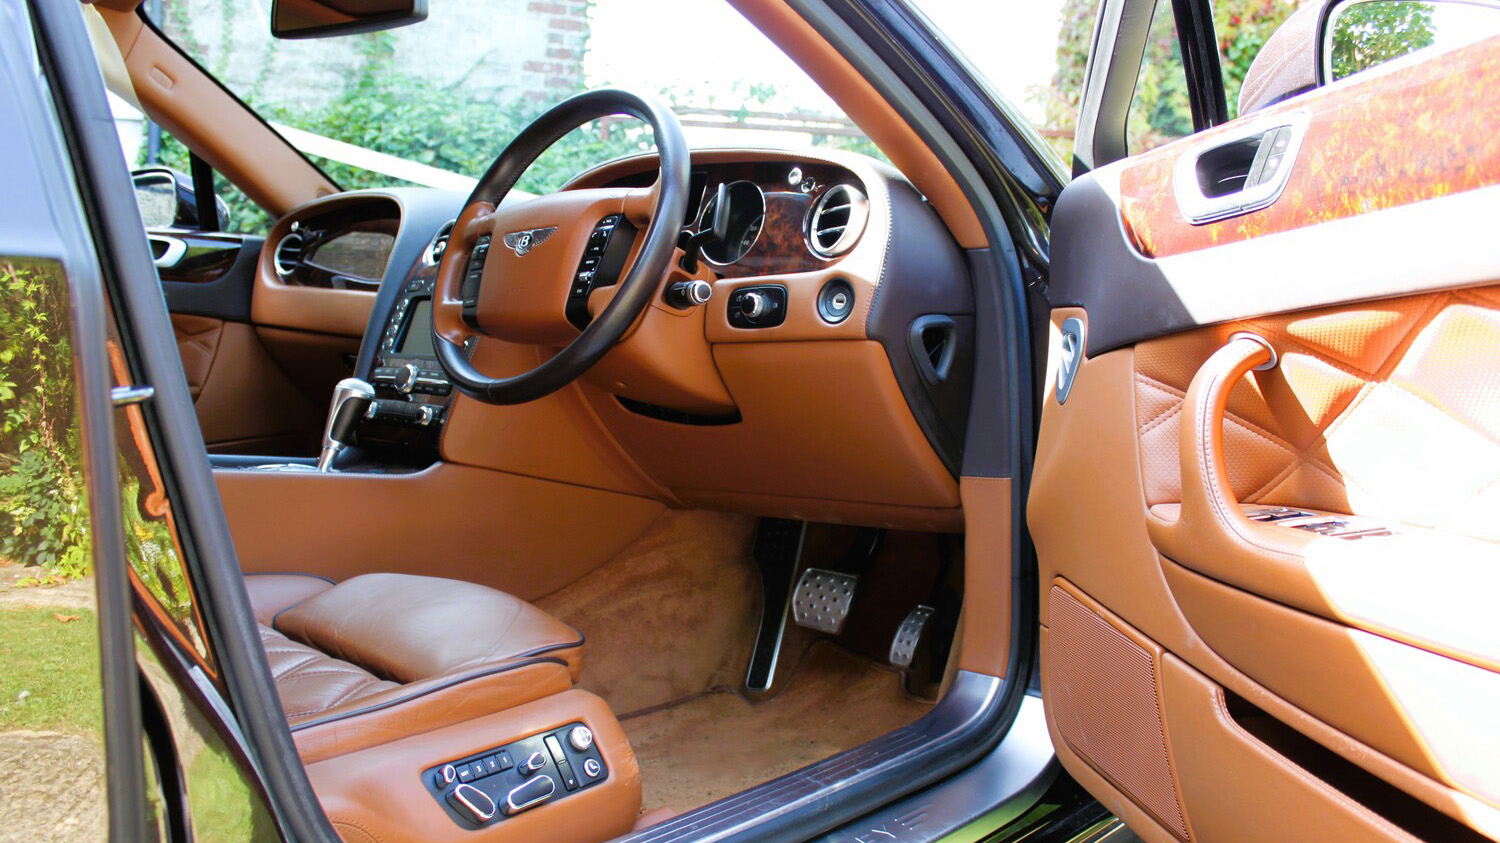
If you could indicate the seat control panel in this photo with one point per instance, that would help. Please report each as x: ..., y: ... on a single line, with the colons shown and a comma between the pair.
x: 489, y: 786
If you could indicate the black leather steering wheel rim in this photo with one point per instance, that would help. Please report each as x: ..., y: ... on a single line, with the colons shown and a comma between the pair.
x: 634, y: 291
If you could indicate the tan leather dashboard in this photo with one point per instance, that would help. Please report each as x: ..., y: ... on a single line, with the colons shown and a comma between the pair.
x: 812, y: 399
x: 283, y: 298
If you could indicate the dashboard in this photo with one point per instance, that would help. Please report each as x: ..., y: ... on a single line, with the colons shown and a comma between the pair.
x: 840, y: 325
x: 344, y: 248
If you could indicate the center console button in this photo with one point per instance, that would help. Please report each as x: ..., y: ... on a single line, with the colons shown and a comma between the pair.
x: 529, y: 795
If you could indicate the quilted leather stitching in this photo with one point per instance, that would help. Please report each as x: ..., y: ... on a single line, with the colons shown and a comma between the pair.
x: 1381, y: 344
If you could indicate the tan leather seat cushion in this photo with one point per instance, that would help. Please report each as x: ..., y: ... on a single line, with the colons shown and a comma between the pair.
x: 310, y: 682
x: 382, y: 656
x: 408, y: 628
x: 271, y: 593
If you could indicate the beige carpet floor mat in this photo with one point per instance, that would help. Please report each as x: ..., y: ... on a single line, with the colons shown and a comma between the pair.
x: 718, y: 743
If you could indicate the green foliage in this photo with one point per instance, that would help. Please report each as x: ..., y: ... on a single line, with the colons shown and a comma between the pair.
x: 1160, y: 110
x: 1368, y: 34
x: 43, y: 505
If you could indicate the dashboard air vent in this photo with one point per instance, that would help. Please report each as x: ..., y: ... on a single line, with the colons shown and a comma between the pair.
x: 289, y: 252
x: 837, y: 220
x: 440, y: 243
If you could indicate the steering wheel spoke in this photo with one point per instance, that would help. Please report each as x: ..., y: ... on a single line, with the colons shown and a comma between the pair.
x: 510, y: 269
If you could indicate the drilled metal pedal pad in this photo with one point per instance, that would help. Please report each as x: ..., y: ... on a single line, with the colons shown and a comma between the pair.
x: 909, y: 636
x: 822, y: 599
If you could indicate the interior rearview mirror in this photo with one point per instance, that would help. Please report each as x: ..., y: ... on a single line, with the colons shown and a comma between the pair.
x: 326, y: 18
x: 1360, y: 34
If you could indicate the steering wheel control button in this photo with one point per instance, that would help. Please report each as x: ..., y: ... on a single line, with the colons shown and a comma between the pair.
x: 599, y: 265
x: 473, y: 274
x: 836, y: 301
x: 529, y: 795
x: 758, y: 307
x: 580, y: 738
x: 474, y: 804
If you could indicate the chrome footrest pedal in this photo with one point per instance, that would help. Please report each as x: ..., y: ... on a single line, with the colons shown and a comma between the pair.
x: 909, y: 636
x: 822, y: 599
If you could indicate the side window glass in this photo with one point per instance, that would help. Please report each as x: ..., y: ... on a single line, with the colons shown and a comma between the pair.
x: 1243, y: 27
x: 51, y: 750
x: 1159, y: 109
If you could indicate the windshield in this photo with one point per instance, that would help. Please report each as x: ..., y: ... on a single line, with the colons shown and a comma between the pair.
x: 434, y: 103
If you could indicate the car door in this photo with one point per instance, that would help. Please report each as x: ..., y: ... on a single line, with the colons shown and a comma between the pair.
x: 1265, y: 498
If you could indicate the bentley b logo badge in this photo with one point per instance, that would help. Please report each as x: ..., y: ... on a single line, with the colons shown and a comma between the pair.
x: 522, y: 242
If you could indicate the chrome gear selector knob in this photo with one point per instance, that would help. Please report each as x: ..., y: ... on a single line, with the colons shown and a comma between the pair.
x: 350, y: 398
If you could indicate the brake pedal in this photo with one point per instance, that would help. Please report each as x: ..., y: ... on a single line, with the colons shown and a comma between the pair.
x: 909, y: 635
x: 778, y: 547
x: 823, y: 598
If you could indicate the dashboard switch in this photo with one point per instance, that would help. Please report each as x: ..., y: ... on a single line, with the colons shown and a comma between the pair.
x: 758, y: 307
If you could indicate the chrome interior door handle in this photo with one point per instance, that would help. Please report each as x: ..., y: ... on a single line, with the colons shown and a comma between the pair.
x: 172, y: 250
x: 1239, y: 172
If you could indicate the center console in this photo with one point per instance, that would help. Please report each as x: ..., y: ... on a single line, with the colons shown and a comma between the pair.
x: 412, y: 392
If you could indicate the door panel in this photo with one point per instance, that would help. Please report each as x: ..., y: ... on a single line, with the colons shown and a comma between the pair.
x: 256, y: 391
x: 1214, y: 668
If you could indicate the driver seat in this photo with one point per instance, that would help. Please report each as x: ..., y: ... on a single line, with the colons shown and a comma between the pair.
x: 382, y: 656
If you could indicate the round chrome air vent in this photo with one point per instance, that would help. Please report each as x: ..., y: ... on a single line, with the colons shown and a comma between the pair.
x: 837, y: 220
x: 439, y: 244
x: 289, y: 253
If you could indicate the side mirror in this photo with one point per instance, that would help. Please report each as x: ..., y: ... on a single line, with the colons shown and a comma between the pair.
x: 326, y: 18
x: 1360, y: 34
x: 167, y: 200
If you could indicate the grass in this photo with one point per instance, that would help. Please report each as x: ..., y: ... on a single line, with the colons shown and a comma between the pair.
x: 49, y: 671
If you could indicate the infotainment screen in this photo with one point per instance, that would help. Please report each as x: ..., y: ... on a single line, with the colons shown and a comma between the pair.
x: 418, y: 339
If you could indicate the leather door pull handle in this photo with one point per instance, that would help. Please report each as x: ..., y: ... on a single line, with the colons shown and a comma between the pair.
x: 1209, y: 533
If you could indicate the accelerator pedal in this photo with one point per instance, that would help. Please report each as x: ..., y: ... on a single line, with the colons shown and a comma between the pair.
x: 823, y: 598
x: 910, y: 635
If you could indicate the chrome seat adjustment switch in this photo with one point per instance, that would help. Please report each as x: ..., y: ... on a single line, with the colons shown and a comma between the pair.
x: 529, y: 795
x: 473, y: 803
x: 581, y: 738
x: 533, y: 763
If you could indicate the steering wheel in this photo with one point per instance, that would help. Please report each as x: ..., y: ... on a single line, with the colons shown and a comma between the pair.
x: 511, y: 272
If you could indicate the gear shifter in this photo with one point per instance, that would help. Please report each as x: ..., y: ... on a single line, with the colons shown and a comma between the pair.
x: 350, y: 398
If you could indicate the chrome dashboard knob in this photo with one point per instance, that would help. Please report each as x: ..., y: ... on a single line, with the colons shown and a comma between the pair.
x: 753, y: 304
x: 406, y: 381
